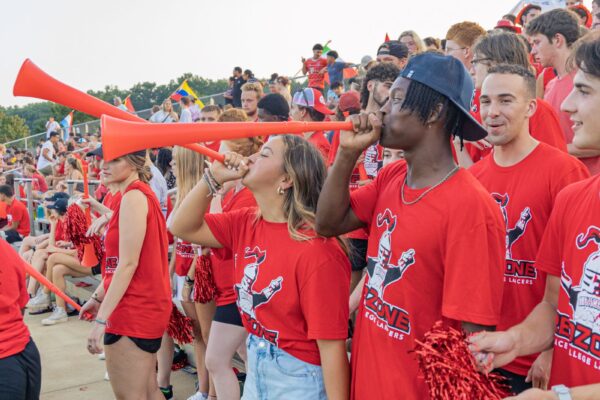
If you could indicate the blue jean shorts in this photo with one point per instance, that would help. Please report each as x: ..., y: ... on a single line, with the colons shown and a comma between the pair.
x: 274, y: 374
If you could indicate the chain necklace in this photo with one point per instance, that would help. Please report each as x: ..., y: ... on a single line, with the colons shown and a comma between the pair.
x: 408, y: 203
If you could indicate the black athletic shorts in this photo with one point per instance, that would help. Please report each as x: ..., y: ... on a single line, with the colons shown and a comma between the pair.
x: 147, y: 345
x: 516, y: 382
x: 358, y: 253
x: 228, y: 314
x: 97, y: 269
x: 21, y: 375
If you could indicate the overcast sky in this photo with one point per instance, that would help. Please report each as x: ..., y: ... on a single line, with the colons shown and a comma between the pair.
x: 89, y: 44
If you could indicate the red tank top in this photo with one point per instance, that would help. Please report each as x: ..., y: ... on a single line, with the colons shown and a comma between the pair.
x: 222, y: 259
x: 145, y: 308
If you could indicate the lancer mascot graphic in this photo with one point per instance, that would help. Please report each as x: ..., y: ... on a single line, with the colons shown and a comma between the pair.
x: 585, y: 297
x: 248, y: 299
x: 512, y: 235
x: 381, y: 272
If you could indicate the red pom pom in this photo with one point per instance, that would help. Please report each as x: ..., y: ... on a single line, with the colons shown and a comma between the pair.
x: 75, y: 229
x: 180, y: 327
x: 450, y: 370
x: 205, y: 288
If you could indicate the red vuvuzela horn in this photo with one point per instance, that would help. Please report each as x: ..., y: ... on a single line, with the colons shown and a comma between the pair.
x: 33, y: 82
x: 121, y: 137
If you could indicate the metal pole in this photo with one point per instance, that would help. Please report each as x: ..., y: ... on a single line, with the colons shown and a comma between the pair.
x: 29, y: 193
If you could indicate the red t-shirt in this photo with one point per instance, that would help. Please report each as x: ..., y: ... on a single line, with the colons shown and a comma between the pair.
x: 145, y: 308
x: 544, y: 125
x: 570, y: 250
x: 319, y: 140
x: 14, y: 334
x: 316, y: 79
x: 222, y: 259
x: 372, y: 162
x: 289, y: 292
x: 556, y: 92
x: 42, y: 185
x: 526, y: 200
x: 17, y: 211
x: 425, y: 262
x: 184, y: 255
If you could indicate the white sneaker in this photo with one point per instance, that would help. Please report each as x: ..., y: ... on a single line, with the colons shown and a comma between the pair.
x: 58, y: 315
x: 106, y: 377
x: 198, y: 396
x: 41, y: 300
x: 102, y: 356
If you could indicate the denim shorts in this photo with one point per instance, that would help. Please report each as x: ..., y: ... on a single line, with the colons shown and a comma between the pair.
x: 274, y: 374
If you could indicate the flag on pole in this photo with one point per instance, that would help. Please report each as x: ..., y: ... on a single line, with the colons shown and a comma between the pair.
x: 185, y: 90
x: 387, y: 38
x: 127, y: 102
x: 67, y: 123
x: 326, y: 49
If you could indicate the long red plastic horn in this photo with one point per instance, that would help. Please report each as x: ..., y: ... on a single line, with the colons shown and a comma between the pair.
x: 33, y: 82
x: 122, y: 137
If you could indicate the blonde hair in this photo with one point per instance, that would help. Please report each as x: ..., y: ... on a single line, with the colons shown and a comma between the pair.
x: 306, y: 169
x: 418, y: 41
x: 139, y: 164
x: 189, y: 167
x: 253, y: 87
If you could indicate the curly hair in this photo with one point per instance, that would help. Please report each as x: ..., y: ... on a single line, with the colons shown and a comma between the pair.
x: 381, y: 72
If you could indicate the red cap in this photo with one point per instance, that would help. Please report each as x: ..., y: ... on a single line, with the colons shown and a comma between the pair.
x: 507, y: 25
x: 349, y: 101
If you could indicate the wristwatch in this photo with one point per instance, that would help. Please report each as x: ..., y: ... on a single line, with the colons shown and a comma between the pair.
x: 563, y: 392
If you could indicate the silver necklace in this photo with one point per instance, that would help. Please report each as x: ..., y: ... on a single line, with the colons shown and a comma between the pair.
x: 408, y: 203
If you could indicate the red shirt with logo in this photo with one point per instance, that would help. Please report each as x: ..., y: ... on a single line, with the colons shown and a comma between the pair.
x: 145, y: 308
x: 289, y: 292
x: 372, y: 162
x: 570, y: 250
x: 544, y: 126
x: 14, y: 334
x: 184, y: 256
x: 316, y: 79
x: 17, y: 211
x: 526, y: 200
x: 426, y: 261
x: 222, y: 259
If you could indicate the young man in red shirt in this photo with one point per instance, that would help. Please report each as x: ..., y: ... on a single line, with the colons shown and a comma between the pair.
x: 507, y: 48
x: 525, y: 199
x: 435, y: 232
x: 313, y: 67
x: 20, y: 368
x: 552, y: 36
x: 309, y: 105
x: 567, y: 319
x: 18, y: 225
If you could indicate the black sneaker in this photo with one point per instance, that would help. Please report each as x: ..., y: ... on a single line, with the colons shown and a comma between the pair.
x: 41, y: 311
x: 167, y: 392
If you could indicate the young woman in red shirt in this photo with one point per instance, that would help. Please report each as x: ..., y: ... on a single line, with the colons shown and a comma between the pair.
x: 291, y: 284
x: 227, y: 330
x: 131, y: 308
